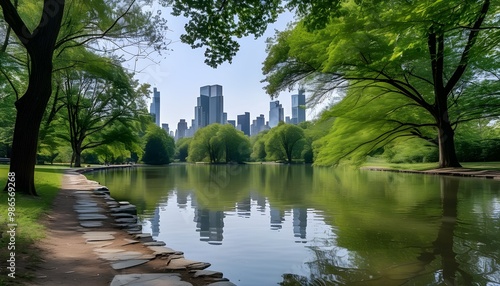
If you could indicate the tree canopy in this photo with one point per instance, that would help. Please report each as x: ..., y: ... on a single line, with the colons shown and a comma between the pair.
x: 159, y: 148
x: 218, y: 143
x: 426, y: 60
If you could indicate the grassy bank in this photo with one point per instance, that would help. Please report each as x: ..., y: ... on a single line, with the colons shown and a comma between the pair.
x: 381, y: 163
x: 28, y: 211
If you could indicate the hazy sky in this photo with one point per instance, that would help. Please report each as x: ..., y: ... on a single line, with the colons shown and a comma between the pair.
x: 182, y: 71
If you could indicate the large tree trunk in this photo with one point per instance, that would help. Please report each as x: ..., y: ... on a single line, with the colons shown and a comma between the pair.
x: 40, y: 45
x: 30, y: 108
x: 78, y: 157
x: 447, y: 152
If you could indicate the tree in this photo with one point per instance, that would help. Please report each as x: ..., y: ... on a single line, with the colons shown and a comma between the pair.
x: 432, y: 56
x: 236, y: 144
x: 101, y: 105
x: 206, y: 146
x: 160, y: 147
x: 285, y: 142
x: 259, y: 146
x: 86, y: 22
x: 217, y: 143
x: 182, y: 148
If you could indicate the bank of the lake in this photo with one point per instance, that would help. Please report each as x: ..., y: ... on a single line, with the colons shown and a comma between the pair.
x: 268, y: 224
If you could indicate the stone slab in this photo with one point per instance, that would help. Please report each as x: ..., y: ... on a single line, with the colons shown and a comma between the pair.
x: 222, y: 283
x: 109, y: 250
x: 150, y: 279
x: 154, y: 243
x: 162, y: 250
x: 89, y: 210
x: 98, y: 244
x: 91, y: 224
x: 124, y: 255
x: 129, y: 209
x: 183, y: 263
x: 143, y: 235
x: 122, y: 215
x: 91, y: 216
x: 128, y: 264
x: 88, y: 234
x: 126, y: 220
x: 207, y: 273
x: 129, y: 241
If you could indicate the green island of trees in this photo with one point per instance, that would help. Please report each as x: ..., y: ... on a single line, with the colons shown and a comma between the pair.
x: 419, y: 81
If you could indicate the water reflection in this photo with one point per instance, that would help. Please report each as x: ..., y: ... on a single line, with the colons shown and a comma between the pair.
x: 296, y: 225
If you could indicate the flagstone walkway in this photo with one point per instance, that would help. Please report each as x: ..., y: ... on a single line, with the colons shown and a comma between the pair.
x: 95, y: 240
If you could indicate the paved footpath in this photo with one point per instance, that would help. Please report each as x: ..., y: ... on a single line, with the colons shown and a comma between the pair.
x: 107, y: 246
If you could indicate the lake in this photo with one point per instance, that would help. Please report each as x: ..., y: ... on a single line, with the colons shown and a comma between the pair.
x: 299, y: 225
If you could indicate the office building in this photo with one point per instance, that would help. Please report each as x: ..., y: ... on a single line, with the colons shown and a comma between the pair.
x: 244, y: 123
x: 258, y: 125
x: 215, y: 103
x: 201, y: 111
x: 298, y: 107
x: 276, y: 113
x: 232, y: 122
x: 181, y: 129
x: 165, y: 127
x: 154, y: 108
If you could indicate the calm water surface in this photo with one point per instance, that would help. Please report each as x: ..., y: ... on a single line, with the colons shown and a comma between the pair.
x: 298, y: 225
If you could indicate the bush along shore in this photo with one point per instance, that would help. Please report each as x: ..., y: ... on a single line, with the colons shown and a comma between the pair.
x: 112, y: 229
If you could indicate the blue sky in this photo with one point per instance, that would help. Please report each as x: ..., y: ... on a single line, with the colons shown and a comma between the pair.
x: 182, y: 71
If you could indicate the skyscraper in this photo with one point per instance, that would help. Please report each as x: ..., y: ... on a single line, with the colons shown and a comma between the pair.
x: 258, y: 125
x: 154, y: 108
x: 276, y: 113
x: 201, y: 111
x: 181, y: 129
x: 165, y: 127
x: 298, y: 103
x: 244, y: 123
x: 210, y: 106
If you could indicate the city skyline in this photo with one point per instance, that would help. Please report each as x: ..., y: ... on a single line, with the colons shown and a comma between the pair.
x: 209, y: 109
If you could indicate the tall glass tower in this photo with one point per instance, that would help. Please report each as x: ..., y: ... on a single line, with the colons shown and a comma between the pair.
x: 276, y: 113
x: 154, y: 108
x: 298, y: 104
x: 210, y: 108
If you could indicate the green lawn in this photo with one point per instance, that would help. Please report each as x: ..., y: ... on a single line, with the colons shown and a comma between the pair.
x: 378, y: 162
x: 28, y: 211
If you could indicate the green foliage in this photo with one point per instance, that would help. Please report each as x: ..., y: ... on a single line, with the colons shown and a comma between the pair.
x: 218, y: 143
x: 368, y: 119
x: 205, y: 146
x: 419, y: 59
x: 413, y: 150
x: 102, y: 107
x: 285, y: 142
x: 215, y: 24
x: 160, y: 147
x: 182, y: 148
x: 237, y: 146
x: 259, y: 146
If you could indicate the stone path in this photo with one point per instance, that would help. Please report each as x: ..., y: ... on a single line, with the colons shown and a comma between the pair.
x: 97, y: 212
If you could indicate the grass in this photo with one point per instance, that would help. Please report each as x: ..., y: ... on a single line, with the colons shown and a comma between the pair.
x: 381, y: 163
x: 28, y: 211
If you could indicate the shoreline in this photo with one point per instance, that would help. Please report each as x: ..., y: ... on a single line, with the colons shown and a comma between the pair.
x: 458, y: 172
x: 107, y: 233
